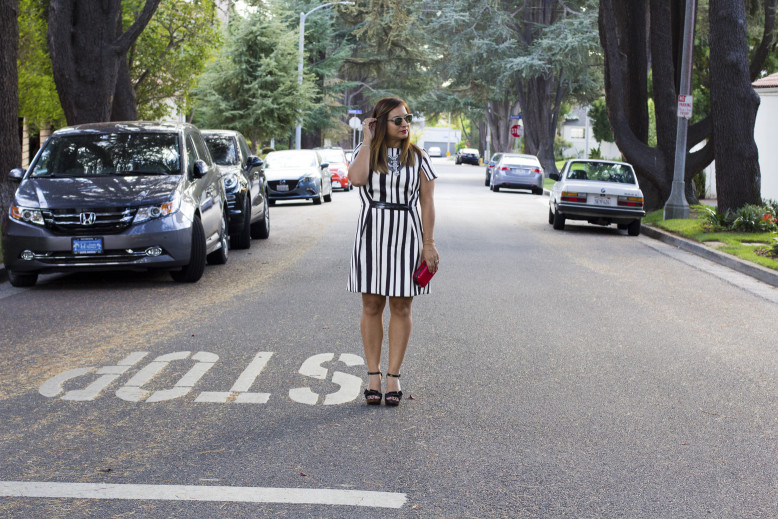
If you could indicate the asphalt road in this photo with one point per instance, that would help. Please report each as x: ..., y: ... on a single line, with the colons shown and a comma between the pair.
x: 578, y: 374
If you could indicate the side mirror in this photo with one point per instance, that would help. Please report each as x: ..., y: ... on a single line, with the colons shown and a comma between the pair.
x: 16, y: 174
x: 555, y: 176
x: 492, y: 163
x: 325, y: 165
x: 200, y: 169
x: 254, y: 161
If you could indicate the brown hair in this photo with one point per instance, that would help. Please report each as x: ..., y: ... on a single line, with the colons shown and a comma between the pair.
x: 378, y: 153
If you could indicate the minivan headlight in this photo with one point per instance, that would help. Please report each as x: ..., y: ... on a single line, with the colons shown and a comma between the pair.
x: 26, y: 214
x: 147, y: 213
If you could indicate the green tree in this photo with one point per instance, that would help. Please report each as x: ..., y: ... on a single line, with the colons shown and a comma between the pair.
x: 390, y: 54
x: 252, y: 85
x: 326, y: 48
x: 39, y: 102
x: 601, y: 126
x: 88, y: 51
x: 640, y: 38
x: 170, y: 54
x: 527, y: 56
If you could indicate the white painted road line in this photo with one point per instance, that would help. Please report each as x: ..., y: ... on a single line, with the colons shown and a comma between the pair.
x: 307, y: 496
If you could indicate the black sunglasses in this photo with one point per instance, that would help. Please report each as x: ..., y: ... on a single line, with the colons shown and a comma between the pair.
x: 399, y: 120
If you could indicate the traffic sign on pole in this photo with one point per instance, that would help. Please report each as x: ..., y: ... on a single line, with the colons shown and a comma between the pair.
x: 517, y: 131
x: 685, y: 103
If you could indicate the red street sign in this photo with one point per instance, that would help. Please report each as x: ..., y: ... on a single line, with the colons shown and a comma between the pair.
x: 517, y: 131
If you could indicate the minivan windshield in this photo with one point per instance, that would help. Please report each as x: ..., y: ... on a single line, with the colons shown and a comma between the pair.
x: 223, y: 148
x: 105, y: 154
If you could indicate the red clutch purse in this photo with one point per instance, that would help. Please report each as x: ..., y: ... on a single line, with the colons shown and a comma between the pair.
x: 423, y: 275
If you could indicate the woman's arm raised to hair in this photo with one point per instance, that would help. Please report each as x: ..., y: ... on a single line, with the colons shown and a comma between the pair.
x: 359, y: 169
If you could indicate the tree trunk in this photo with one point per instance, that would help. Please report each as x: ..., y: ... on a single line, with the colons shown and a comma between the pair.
x: 482, y: 140
x: 734, y: 104
x: 125, y: 104
x: 87, y: 47
x: 538, y: 98
x: 498, y: 117
x: 10, y: 147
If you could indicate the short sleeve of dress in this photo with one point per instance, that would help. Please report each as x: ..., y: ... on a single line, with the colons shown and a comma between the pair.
x: 426, y: 166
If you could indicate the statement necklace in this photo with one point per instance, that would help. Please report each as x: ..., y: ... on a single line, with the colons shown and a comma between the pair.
x: 394, y: 165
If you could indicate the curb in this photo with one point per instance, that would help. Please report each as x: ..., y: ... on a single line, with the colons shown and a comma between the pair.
x: 763, y: 274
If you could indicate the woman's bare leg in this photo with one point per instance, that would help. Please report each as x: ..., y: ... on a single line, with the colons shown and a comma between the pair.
x: 400, y: 325
x: 372, y: 326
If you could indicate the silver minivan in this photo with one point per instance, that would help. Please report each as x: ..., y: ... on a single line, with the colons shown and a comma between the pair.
x: 117, y: 196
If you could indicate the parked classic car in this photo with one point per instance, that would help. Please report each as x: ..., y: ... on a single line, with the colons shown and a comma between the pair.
x: 601, y: 192
x: 114, y: 196
x: 245, y: 184
x: 297, y: 175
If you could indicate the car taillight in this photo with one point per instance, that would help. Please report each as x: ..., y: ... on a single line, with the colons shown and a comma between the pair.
x: 630, y: 201
x: 537, y: 170
x: 505, y: 168
x: 573, y: 197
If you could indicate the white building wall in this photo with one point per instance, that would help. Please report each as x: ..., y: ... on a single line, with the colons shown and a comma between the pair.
x: 764, y: 135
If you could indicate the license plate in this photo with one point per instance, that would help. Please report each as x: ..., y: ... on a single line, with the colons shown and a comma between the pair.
x: 282, y: 187
x: 87, y: 245
x: 603, y: 200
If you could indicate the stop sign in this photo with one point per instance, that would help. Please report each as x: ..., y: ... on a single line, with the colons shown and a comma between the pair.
x: 517, y: 130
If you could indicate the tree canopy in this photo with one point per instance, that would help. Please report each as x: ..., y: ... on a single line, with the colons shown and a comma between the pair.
x: 252, y: 84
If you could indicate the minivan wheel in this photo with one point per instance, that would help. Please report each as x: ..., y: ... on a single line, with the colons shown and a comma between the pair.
x: 193, y: 271
x: 220, y: 255
x: 242, y: 240
x: 18, y: 279
x: 261, y: 228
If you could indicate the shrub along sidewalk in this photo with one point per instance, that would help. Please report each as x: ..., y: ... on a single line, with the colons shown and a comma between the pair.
x: 750, y: 234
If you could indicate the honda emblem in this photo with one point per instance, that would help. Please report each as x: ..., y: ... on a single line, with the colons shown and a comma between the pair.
x: 87, y: 218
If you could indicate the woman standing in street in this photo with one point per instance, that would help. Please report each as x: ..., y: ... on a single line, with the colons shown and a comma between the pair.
x: 394, y: 177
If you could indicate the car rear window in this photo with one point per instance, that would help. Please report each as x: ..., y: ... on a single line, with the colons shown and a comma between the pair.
x: 601, y: 172
x: 290, y: 159
x: 102, y: 154
x: 521, y: 161
x: 332, y: 156
x: 223, y: 149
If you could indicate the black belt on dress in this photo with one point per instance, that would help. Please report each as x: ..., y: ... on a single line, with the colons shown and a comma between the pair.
x: 384, y: 205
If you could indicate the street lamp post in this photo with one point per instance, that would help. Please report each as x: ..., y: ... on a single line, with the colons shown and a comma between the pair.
x: 299, y: 130
x: 677, y: 206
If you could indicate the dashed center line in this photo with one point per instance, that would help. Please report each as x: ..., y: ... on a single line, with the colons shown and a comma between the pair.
x: 308, y: 496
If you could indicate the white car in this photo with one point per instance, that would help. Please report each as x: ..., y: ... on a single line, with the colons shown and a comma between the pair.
x: 601, y: 192
x: 434, y: 151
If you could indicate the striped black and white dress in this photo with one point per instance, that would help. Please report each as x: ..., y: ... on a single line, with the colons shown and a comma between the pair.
x: 387, y: 247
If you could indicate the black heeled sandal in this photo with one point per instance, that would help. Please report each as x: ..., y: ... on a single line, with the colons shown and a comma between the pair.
x: 373, y: 396
x: 395, y: 396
